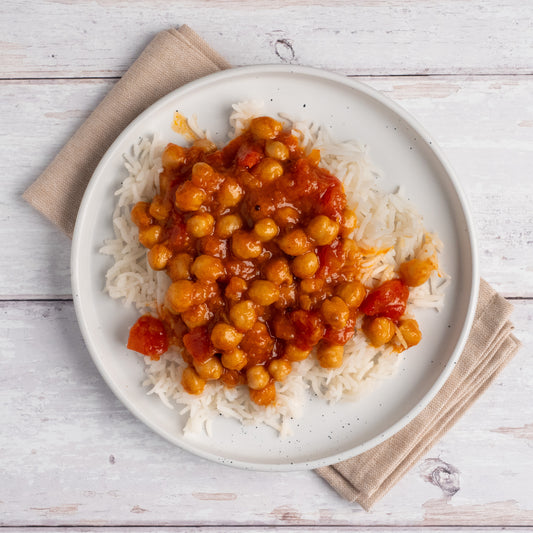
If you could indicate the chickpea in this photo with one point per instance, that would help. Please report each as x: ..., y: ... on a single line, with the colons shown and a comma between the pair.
x: 410, y: 331
x: 353, y: 293
x: 323, y: 230
x: 150, y: 236
x: 266, y: 229
x: 379, y: 330
x: 173, y: 156
x: 243, y: 315
x: 287, y: 217
x: 235, y: 288
x: 245, y: 245
x: 293, y: 353
x: 349, y: 222
x: 229, y: 194
x: 277, y: 150
x: 311, y: 285
x: 269, y: 170
x: 196, y: 316
x: 211, y: 245
x: 330, y: 355
x: 225, y: 337
x: 180, y: 296
x: 305, y: 266
x: 160, y: 208
x: 277, y: 270
x: 208, y: 268
x: 192, y: 382
x: 335, y: 312
x: 189, y: 197
x: 179, y: 267
x: 416, y: 272
x: 205, y: 145
x: 227, y: 225
x: 257, y: 377
x: 140, y: 215
x: 264, y: 396
x: 235, y: 359
x: 201, y: 225
x: 294, y: 243
x: 205, y: 177
x: 279, y: 369
x: 265, y: 128
x: 263, y: 292
x: 209, y: 370
x: 159, y: 256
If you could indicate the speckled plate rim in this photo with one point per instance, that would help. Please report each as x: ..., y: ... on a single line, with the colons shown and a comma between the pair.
x: 83, y: 217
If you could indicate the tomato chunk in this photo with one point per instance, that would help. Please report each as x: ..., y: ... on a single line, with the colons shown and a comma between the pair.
x: 389, y: 300
x: 342, y: 336
x: 148, y: 336
x: 198, y: 344
x: 309, y: 328
x: 248, y: 155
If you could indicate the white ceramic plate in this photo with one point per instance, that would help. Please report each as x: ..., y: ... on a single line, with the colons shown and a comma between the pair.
x: 407, y: 155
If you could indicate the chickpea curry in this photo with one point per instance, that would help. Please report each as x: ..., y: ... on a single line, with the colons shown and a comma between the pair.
x: 255, y: 240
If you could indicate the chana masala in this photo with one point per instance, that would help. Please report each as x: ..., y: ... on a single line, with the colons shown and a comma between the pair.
x: 255, y: 238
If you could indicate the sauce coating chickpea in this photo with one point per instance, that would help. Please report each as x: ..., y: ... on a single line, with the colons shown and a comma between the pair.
x: 180, y: 295
x: 323, y: 230
x: 353, y: 293
x: 266, y: 229
x: 379, y: 330
x: 196, y: 316
x: 234, y: 360
x: 140, y: 215
x: 227, y: 225
x: 416, y: 271
x: 173, y: 156
x: 410, y: 331
x: 294, y: 354
x: 230, y: 193
x: 349, y: 222
x: 208, y: 268
x: 179, y: 266
x: 201, y: 225
x: 335, y: 312
x: 189, y: 197
x: 192, y: 382
x: 279, y: 369
x: 204, y: 177
x: 265, y: 128
x: 263, y: 292
x: 225, y: 337
x: 278, y: 271
x: 160, y: 208
x: 150, y: 236
x: 294, y: 243
x: 243, y: 315
x: 245, y: 245
x: 209, y: 370
x: 269, y: 170
x: 264, y: 396
x: 257, y: 377
x: 277, y: 150
x: 305, y: 266
x: 159, y: 256
x: 330, y: 355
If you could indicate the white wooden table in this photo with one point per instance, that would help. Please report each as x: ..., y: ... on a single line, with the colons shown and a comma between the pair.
x: 71, y: 455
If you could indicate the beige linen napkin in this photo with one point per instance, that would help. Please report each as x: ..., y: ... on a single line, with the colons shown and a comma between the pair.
x: 172, y: 59
x: 176, y: 57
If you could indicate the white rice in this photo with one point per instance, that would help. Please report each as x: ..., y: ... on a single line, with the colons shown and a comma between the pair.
x: 385, y: 222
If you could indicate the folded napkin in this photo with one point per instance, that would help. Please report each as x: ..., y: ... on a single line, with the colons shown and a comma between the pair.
x: 173, y: 58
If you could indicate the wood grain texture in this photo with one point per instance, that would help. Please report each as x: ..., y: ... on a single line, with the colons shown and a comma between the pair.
x: 72, y: 38
x: 71, y: 454
x: 484, y: 125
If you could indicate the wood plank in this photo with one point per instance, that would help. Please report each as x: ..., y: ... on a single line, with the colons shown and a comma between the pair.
x: 369, y: 37
x: 484, y: 124
x: 73, y: 455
